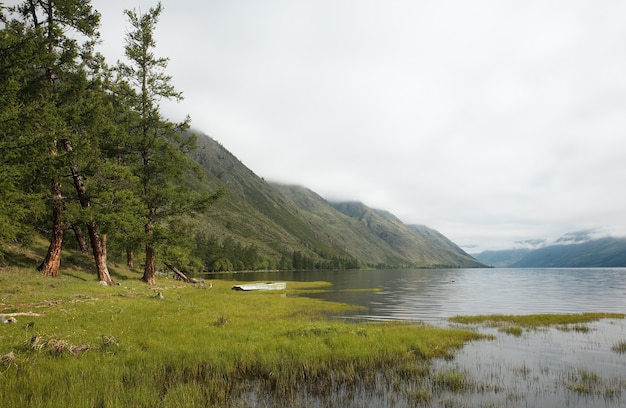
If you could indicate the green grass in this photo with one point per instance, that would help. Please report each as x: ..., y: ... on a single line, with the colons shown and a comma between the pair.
x: 564, y: 322
x: 512, y: 330
x: 96, y: 346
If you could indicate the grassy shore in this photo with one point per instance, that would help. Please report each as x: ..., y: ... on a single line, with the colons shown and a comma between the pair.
x: 77, y: 343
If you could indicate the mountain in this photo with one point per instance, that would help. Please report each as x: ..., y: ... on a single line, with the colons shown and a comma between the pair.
x: 281, y: 222
x: 604, y: 252
x: 503, y: 258
x: 376, y: 236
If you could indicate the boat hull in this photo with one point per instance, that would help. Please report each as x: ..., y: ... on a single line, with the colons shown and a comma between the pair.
x: 261, y: 286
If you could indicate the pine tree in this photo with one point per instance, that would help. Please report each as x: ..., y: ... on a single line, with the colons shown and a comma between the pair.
x: 22, y: 201
x: 58, y: 86
x: 157, y: 145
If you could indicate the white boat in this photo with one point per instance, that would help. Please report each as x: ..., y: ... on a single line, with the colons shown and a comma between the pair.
x: 261, y: 286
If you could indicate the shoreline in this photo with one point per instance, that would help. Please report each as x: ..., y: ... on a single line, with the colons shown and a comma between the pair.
x: 211, y: 346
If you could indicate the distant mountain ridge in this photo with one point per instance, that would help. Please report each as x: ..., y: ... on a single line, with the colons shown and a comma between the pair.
x: 502, y: 258
x: 282, y: 220
x: 571, y: 251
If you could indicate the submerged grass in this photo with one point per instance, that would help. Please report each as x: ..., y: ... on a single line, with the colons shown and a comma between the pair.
x: 590, y: 383
x: 94, y: 346
x: 619, y: 347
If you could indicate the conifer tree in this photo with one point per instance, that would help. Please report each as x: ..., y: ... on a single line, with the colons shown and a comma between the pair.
x: 157, y: 145
x: 22, y: 201
x: 59, y: 37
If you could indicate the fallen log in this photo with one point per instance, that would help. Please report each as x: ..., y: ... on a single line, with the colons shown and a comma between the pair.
x: 181, y: 275
x: 174, y: 269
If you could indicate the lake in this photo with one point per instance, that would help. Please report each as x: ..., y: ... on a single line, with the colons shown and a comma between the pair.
x: 551, y: 367
x: 433, y: 294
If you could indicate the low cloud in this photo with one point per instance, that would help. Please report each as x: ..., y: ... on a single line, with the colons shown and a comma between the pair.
x: 493, y: 122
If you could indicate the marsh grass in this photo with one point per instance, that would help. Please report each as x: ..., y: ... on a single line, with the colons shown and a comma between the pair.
x: 454, y: 381
x: 579, y: 328
x: 512, y: 324
x: 512, y: 330
x: 537, y: 382
x: 121, y: 346
x: 584, y: 381
x: 619, y: 347
x: 589, y: 383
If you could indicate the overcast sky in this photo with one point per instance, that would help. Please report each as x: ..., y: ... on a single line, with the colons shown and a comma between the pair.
x: 492, y: 121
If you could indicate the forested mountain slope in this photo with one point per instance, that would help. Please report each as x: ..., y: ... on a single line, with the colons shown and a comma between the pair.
x: 282, y: 220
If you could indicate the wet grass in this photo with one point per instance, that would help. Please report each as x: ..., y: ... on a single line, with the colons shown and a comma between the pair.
x: 87, y: 345
x: 512, y: 330
x: 514, y: 324
x: 533, y: 379
x: 583, y: 381
x: 619, y: 347
x: 579, y: 328
x: 589, y: 384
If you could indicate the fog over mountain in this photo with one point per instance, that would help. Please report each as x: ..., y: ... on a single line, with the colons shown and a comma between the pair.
x: 490, y: 121
x: 586, y: 248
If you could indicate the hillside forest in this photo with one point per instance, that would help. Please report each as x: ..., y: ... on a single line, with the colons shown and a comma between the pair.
x: 84, y: 143
x: 91, y: 164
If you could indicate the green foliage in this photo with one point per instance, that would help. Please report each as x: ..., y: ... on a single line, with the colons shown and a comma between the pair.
x: 227, y: 255
x: 230, y: 255
x: 17, y: 193
x: 155, y: 147
x: 62, y: 114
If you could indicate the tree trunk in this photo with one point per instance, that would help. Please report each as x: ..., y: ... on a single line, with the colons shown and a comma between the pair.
x: 99, y: 252
x: 129, y: 258
x: 180, y: 275
x: 149, y: 272
x: 98, y: 246
x: 50, y: 265
x: 80, y: 238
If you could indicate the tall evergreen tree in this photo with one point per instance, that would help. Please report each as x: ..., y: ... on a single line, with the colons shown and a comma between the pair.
x: 22, y: 201
x: 62, y: 34
x: 158, y: 145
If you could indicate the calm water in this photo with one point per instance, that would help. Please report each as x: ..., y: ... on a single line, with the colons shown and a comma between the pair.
x: 430, y: 295
x: 544, y: 368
